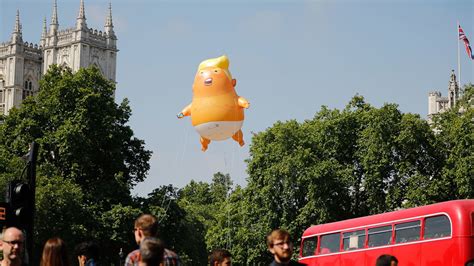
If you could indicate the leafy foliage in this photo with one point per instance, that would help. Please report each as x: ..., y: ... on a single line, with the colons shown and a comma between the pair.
x: 88, y: 158
x: 454, y: 177
x: 340, y: 164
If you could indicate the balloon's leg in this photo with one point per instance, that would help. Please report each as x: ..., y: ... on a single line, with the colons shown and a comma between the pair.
x: 239, y: 137
x: 204, y: 143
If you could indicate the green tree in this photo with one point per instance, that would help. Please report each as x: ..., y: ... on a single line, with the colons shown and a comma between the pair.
x: 82, y: 132
x: 220, y: 187
x: 455, y: 145
x: 117, y: 225
x: 230, y: 230
x: 203, y: 204
x: 181, y: 232
x: 456, y: 139
x: 84, y: 141
x: 340, y: 164
x: 60, y: 212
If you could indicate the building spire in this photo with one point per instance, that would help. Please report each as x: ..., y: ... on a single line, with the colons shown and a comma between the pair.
x: 81, y: 10
x: 44, y: 33
x: 81, y: 18
x: 16, y: 35
x: 17, y: 22
x: 108, y: 21
x: 109, y: 26
x: 453, y: 90
x: 54, y: 19
x: 45, y: 29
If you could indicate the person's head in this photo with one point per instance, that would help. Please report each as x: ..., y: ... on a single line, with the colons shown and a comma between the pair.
x: 151, y: 251
x: 220, y: 257
x: 386, y: 260
x: 145, y: 225
x: 12, y: 245
x: 86, y: 251
x: 54, y: 253
x: 280, y: 245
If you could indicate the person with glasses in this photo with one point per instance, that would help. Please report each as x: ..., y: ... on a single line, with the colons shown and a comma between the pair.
x: 12, y: 247
x: 146, y: 225
x: 280, y: 245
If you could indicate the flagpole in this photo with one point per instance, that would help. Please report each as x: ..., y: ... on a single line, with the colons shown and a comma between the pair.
x: 459, y: 58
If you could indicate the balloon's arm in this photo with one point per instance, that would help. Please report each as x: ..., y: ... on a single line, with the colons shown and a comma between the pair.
x: 185, y: 112
x: 243, y: 102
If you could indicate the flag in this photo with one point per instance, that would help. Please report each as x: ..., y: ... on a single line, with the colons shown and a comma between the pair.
x: 463, y: 37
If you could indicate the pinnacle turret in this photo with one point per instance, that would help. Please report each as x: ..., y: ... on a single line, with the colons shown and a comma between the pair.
x: 54, y: 19
x: 81, y: 10
x: 17, y: 35
x: 17, y: 22
x: 453, y: 90
x: 44, y: 33
x: 109, y: 26
x: 453, y: 77
x: 81, y: 18
x: 108, y: 21
x: 45, y: 29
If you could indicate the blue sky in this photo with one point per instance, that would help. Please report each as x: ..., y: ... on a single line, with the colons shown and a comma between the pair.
x: 289, y: 59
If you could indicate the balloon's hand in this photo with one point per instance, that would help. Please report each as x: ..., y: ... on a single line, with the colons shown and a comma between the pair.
x: 180, y: 115
x: 243, y: 102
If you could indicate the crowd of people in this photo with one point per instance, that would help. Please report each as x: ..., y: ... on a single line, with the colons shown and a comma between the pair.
x: 151, y: 251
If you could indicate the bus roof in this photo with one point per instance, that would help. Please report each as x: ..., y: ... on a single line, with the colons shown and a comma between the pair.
x: 459, y: 207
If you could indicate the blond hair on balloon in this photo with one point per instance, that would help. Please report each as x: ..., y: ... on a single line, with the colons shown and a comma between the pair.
x: 221, y: 62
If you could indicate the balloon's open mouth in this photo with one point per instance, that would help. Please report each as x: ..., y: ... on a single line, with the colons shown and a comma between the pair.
x: 208, y: 82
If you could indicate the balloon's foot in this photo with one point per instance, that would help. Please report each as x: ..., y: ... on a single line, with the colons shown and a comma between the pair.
x: 204, y: 143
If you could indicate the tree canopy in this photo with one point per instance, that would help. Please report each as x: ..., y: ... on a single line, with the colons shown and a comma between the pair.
x: 340, y: 164
x: 346, y: 163
x: 88, y: 157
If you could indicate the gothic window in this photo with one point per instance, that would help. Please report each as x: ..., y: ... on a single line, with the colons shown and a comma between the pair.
x: 1, y: 90
x: 27, y: 89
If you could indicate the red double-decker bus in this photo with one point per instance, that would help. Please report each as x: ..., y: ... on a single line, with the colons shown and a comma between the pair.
x: 440, y: 234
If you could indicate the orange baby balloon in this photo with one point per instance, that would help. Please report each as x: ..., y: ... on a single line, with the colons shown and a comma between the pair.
x: 216, y: 110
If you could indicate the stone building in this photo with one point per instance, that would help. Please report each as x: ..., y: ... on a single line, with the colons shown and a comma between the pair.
x: 438, y: 103
x: 22, y: 64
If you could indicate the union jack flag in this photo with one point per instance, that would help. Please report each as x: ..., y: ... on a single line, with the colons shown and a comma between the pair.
x: 463, y: 37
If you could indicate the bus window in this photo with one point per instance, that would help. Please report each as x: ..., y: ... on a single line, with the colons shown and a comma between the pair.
x: 353, y: 240
x: 407, y: 232
x: 380, y: 236
x: 330, y: 243
x: 309, y: 246
x: 437, y: 226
